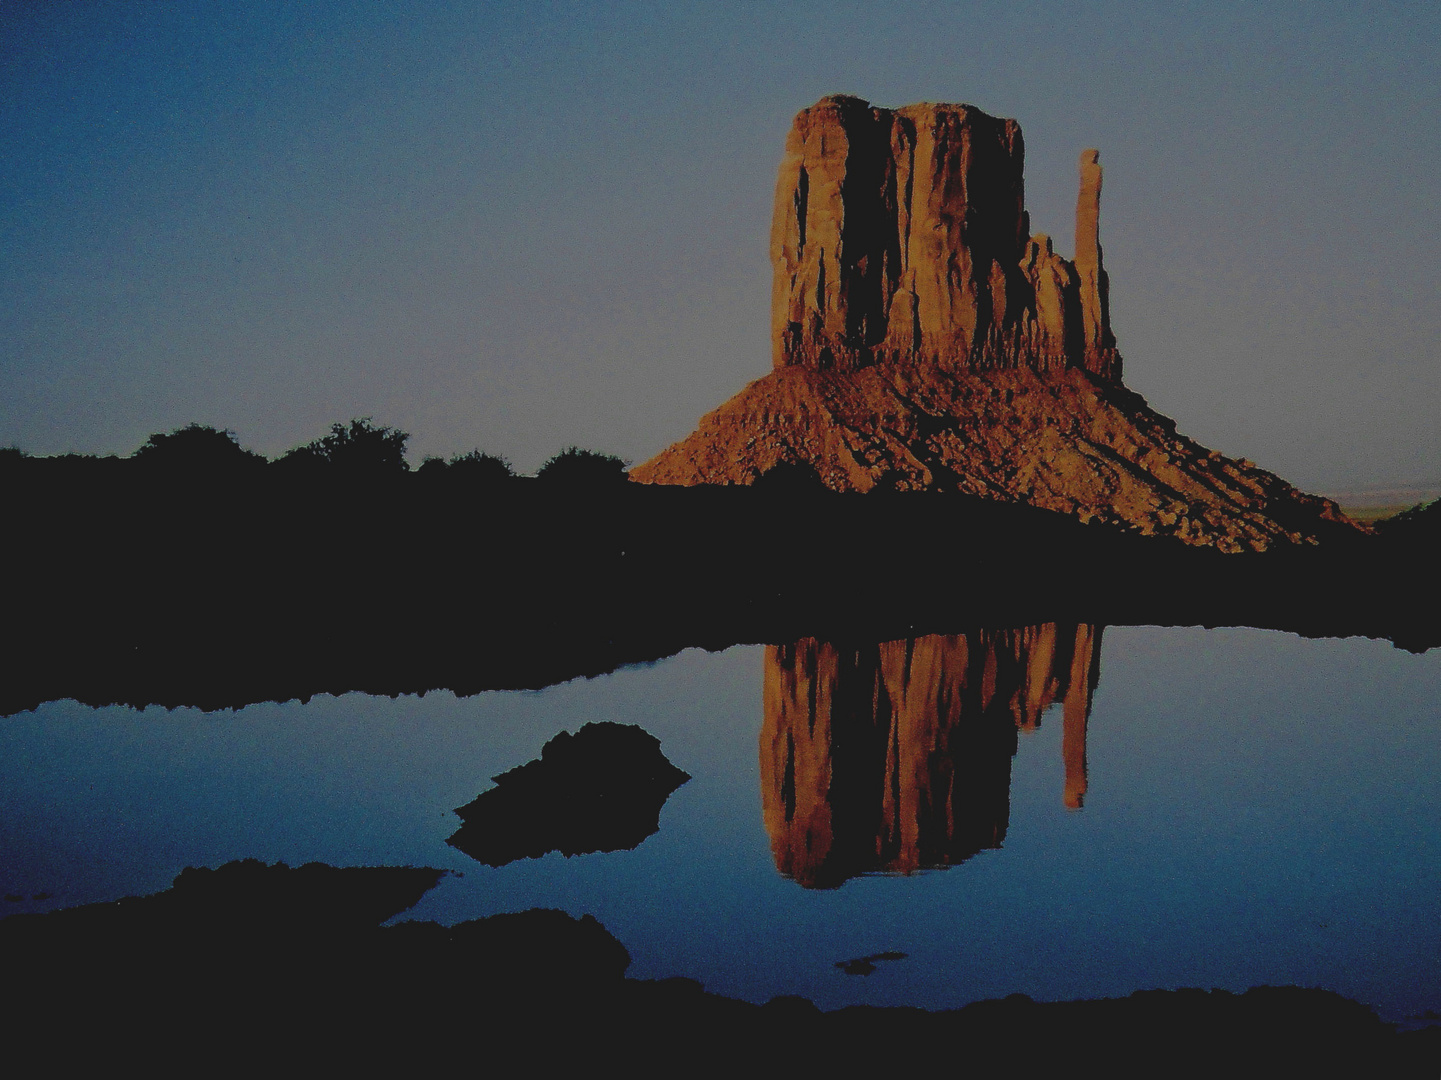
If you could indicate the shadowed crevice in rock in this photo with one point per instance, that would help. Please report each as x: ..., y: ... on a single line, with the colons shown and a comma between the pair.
x: 600, y: 789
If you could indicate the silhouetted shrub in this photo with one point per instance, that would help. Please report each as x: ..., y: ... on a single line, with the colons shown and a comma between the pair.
x: 574, y: 467
x: 791, y: 476
x: 358, y: 448
x: 196, y: 448
x: 480, y: 467
x: 12, y: 460
x: 475, y: 469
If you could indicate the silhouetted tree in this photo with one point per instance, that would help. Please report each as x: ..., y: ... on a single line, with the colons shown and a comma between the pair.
x: 359, y: 448
x: 472, y: 469
x: 480, y: 467
x: 196, y: 448
x: 574, y: 467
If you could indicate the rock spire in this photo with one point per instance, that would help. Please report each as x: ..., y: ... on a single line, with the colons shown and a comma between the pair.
x: 1096, y: 338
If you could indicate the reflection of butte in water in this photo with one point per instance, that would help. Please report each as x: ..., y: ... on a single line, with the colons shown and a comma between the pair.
x: 897, y: 757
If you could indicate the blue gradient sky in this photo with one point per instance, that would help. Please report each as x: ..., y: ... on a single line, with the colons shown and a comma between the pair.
x: 522, y: 226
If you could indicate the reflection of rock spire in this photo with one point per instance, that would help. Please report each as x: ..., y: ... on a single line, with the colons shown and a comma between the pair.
x: 1076, y: 710
x: 897, y: 756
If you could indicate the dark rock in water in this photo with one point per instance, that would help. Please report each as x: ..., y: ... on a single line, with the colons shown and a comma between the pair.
x: 261, y: 963
x: 243, y: 903
x: 600, y: 789
x: 198, y: 949
x: 316, y: 922
x: 866, y: 965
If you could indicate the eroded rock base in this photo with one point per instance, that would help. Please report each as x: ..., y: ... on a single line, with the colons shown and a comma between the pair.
x: 1067, y: 442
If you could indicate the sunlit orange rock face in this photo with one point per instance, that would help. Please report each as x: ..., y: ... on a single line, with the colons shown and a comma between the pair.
x: 897, y: 757
x: 903, y: 235
x: 924, y: 338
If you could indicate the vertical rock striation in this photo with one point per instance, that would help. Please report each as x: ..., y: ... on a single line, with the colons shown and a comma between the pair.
x: 902, y: 235
x: 896, y: 757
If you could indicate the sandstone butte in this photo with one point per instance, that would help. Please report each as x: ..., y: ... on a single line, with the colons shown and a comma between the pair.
x: 924, y: 338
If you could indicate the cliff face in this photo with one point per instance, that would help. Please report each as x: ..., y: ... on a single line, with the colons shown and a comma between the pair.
x: 902, y: 235
x: 923, y: 338
x: 897, y: 757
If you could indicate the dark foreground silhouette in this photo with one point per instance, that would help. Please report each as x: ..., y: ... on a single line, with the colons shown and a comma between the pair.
x: 600, y: 789
x: 239, y: 967
x: 866, y: 965
x: 150, y: 580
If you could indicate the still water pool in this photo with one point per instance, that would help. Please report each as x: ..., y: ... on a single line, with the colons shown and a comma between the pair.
x: 1184, y: 807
